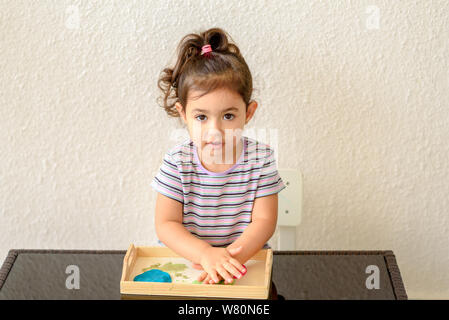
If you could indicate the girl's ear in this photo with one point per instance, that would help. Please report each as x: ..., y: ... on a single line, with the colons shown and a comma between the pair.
x: 250, y: 111
x: 181, y: 111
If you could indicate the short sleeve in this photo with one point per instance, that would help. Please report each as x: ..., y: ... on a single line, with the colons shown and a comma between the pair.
x: 269, y: 181
x: 168, y: 179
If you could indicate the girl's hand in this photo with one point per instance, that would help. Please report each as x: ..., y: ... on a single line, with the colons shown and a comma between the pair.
x: 208, y: 279
x: 218, y: 263
x: 204, y: 276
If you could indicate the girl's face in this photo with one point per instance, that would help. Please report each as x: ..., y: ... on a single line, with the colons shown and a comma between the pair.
x: 215, y: 121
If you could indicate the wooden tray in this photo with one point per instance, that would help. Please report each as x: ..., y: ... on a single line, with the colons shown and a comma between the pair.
x: 255, y: 284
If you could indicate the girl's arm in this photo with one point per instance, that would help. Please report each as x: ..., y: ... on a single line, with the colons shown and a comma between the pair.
x: 170, y: 231
x: 261, y: 228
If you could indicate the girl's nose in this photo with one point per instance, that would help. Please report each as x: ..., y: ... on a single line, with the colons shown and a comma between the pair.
x: 214, y: 126
x: 213, y: 135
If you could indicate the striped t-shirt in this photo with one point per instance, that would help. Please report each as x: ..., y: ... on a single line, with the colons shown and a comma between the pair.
x: 217, y: 206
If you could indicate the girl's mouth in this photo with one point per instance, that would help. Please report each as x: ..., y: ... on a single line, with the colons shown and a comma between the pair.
x: 217, y: 145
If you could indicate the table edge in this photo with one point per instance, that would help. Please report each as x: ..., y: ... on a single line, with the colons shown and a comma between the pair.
x: 389, y: 257
x: 395, y: 276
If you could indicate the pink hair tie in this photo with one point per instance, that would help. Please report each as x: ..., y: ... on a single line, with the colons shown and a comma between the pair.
x: 206, y: 49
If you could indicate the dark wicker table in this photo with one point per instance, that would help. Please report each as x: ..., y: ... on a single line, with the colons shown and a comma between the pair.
x: 302, y: 275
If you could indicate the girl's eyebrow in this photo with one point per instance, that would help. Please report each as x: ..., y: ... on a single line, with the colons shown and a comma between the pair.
x: 205, y: 111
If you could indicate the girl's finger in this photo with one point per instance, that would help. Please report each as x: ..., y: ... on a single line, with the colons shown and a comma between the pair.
x: 209, y: 280
x: 197, y: 266
x: 238, y: 265
x: 202, y: 276
x: 222, y: 271
x: 234, y: 251
x: 233, y: 270
x: 212, y: 281
x: 213, y: 274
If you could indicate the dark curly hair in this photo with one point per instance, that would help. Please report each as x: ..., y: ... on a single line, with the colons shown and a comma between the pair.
x: 223, y: 67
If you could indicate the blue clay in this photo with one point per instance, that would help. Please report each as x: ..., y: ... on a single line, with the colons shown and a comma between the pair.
x: 153, y: 275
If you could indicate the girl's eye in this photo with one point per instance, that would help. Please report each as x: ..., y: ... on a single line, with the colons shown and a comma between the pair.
x: 228, y: 116
x: 202, y: 115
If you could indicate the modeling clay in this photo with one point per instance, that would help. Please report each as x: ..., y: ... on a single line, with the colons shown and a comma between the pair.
x: 153, y: 275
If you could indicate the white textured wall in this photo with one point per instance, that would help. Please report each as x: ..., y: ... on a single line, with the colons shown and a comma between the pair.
x: 361, y: 111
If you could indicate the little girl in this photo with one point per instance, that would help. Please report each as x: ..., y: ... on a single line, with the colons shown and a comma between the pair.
x: 217, y: 191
